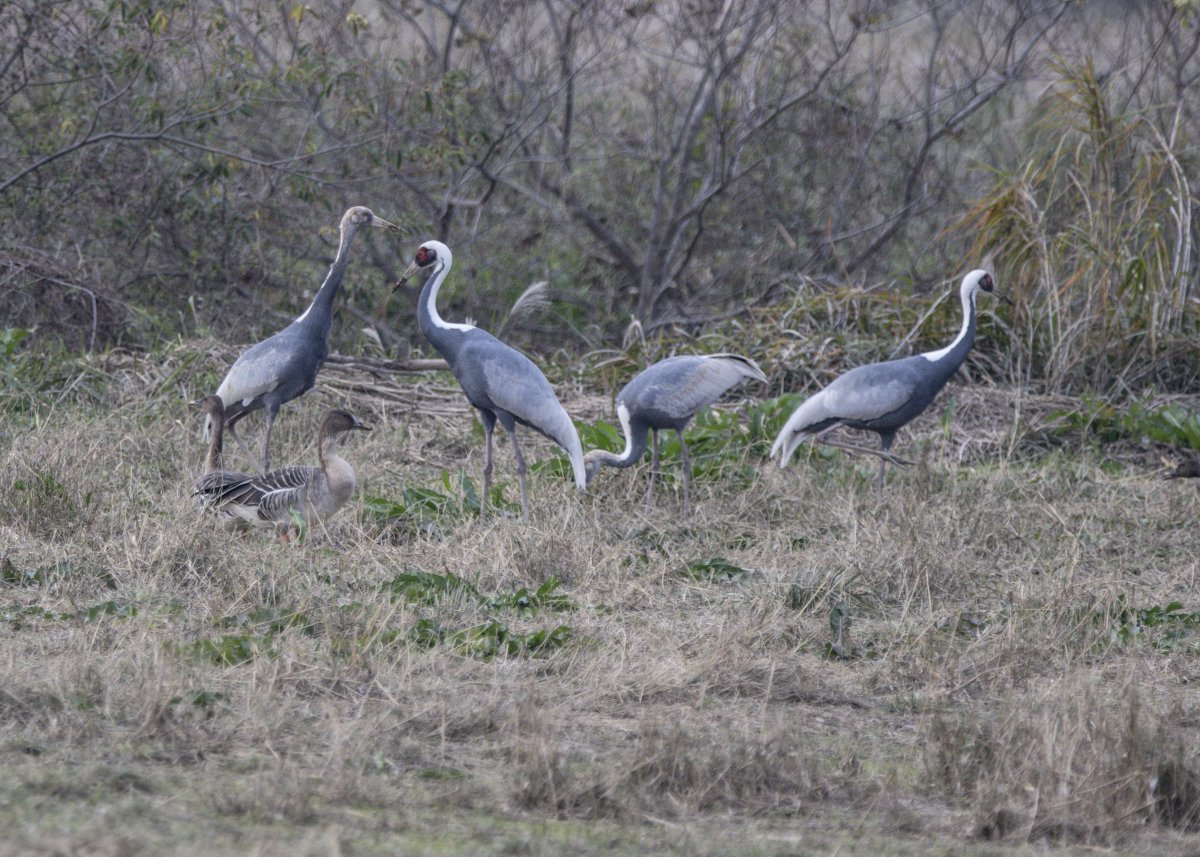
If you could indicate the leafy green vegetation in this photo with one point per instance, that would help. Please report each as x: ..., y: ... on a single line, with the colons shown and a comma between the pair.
x: 1165, y: 628
x: 420, y: 507
x: 1138, y: 420
x: 717, y: 569
x: 427, y: 588
x: 490, y: 639
x: 230, y: 650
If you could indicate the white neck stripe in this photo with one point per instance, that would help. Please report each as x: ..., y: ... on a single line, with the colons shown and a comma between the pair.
x: 623, y: 416
x: 438, y: 322
x: 968, y: 307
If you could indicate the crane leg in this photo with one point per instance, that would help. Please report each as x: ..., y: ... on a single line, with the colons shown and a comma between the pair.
x: 489, y: 423
x: 272, y: 412
x: 885, y: 444
x: 653, y: 466
x: 687, y: 470
x: 232, y: 431
x: 820, y: 436
x: 520, y: 470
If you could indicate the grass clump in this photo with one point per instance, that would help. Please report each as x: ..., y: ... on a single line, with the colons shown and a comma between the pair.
x: 1067, y: 763
x: 1093, y: 238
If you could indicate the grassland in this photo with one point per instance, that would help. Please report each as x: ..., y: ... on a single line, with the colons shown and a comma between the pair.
x: 999, y: 659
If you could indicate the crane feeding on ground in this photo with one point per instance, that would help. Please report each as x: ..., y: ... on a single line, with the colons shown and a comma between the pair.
x: 275, y: 499
x: 882, y: 397
x: 667, y: 396
x: 499, y: 381
x: 285, y: 365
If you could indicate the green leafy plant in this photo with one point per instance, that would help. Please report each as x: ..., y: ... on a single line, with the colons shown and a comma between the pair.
x: 545, y: 597
x: 423, y: 506
x: 230, y: 650
x: 266, y: 621
x: 422, y: 587
x: 120, y: 609
x: 427, y: 588
x: 1164, y: 628
x: 1138, y: 420
x: 490, y: 639
x: 716, y: 569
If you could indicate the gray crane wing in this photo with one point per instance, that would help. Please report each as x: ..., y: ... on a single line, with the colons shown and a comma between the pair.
x: 513, y: 383
x: 870, y: 392
x: 866, y: 393
x: 680, y: 386
x: 263, y: 367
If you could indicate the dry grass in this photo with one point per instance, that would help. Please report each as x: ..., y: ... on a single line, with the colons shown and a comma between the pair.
x: 168, y: 688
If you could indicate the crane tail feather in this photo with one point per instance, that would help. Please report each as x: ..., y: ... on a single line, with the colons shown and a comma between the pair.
x: 569, y: 441
x: 795, y: 431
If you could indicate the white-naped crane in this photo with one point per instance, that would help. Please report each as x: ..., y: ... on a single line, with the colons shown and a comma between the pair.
x: 882, y: 397
x: 278, y: 498
x: 499, y: 381
x: 667, y: 395
x: 285, y: 365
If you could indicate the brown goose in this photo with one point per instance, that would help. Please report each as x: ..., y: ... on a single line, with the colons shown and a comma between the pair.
x: 1187, y: 470
x: 214, y: 409
x: 204, y: 489
x: 280, y: 497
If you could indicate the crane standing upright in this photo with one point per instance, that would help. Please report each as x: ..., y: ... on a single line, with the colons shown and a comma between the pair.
x: 499, y: 381
x: 285, y: 365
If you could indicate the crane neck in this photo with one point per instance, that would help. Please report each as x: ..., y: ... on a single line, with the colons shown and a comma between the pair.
x: 635, y: 443
x: 437, y: 330
x: 320, y: 311
x: 953, y: 355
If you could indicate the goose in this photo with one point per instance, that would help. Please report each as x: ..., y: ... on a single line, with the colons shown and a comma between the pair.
x: 278, y: 498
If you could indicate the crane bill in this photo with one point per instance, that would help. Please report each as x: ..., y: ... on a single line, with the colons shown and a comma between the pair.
x: 380, y: 223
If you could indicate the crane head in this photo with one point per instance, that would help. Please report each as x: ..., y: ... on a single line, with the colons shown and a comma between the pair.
x: 360, y: 215
x: 982, y: 280
x: 591, y: 466
x: 427, y: 255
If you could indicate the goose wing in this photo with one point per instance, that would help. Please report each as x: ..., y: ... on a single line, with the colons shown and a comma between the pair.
x: 284, y: 490
x: 286, y: 478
